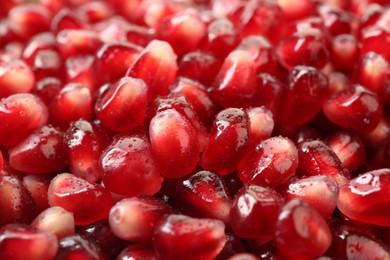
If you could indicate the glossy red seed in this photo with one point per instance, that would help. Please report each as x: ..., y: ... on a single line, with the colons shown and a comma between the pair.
x: 375, y: 39
x: 140, y: 35
x: 203, y: 195
x: 255, y: 211
x: 47, y: 88
x: 301, y: 232
x: 228, y: 142
x: 123, y: 106
x: 114, y: 59
x: 41, y: 41
x: 316, y: 158
x: 55, y: 220
x: 15, y: 203
x: 335, y: 20
x: 270, y: 93
x: 355, y: 108
x: 160, y: 60
x: 85, y: 142
x: 47, y: 63
x: 73, y: 102
x: 134, y: 218
x: 174, y: 143
x: 179, y: 236
x: 344, y: 52
x: 37, y: 187
x: 235, y: 83
x: 303, y: 96
x: 15, y: 77
x: 25, y: 242
x: 112, y: 30
x: 43, y: 151
x: 365, y: 198
x: 143, y: 251
x: 129, y: 167
x: 270, y: 163
x: 80, y: 69
x: 66, y: 19
x: 89, y: 202
x: 349, y: 148
x: 321, y: 192
x: 95, y: 11
x: 261, y: 124
x: 303, y: 48
x: 296, y: 9
x: 76, y: 247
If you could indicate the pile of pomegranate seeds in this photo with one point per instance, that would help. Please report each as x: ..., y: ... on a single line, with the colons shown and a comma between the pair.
x: 195, y: 129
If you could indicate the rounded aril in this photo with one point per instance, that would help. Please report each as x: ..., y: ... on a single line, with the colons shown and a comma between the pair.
x: 335, y: 20
x: 80, y: 69
x: 140, y: 35
x: 296, y: 9
x: 344, y: 52
x: 47, y: 88
x: 15, y: 77
x: 89, y: 202
x: 66, y: 19
x: 47, y: 63
x: 95, y: 11
x: 134, y: 218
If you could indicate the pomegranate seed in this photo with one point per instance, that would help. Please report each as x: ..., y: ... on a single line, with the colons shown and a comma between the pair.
x: 43, y: 151
x: 159, y: 58
x: 80, y: 69
x: 118, y: 115
x: 112, y: 30
x: 66, y: 19
x: 47, y: 89
x: 321, y: 192
x: 15, y: 202
x: 129, y: 167
x: 15, y: 77
x: 95, y: 11
x: 134, y: 218
x: 39, y: 42
x: 140, y: 35
x: 76, y: 247
x: 344, y: 52
x: 301, y: 232
x: 55, y: 220
x: 303, y: 48
x: 47, y: 63
x: 270, y: 94
x: 27, y: 20
x: 89, y: 202
x: 179, y: 236
x: 19, y: 241
x: 335, y: 20
x: 364, y: 198
x: 374, y: 39
x: 356, y: 108
x: 255, y: 211
x: 270, y: 163
x: 203, y: 195
x: 85, y: 142
x: 113, y: 60
x: 316, y: 158
x: 349, y: 148
x: 37, y: 187
x: 307, y: 88
x: 296, y: 9
x: 138, y: 251
x: 229, y: 141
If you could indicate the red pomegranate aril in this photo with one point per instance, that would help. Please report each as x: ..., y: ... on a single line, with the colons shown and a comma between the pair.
x: 47, y: 89
x: 316, y: 158
x: 89, y: 202
x: 344, y: 52
x: 365, y: 198
x: 80, y: 69
x: 173, y: 136
x: 221, y: 38
x: 373, y: 72
x: 307, y: 88
x: 37, y: 187
x: 261, y: 124
x: 47, y: 63
x: 321, y: 192
x: 355, y: 108
x: 157, y: 67
x: 199, y: 66
x: 65, y: 19
x: 114, y: 59
x: 270, y: 163
x: 197, y: 96
x: 129, y: 167
x: 139, y: 35
x: 19, y: 242
x: 152, y: 13
x: 228, y: 142
x: 73, y: 42
x: 179, y: 236
x: 203, y: 195
x: 95, y: 11
x: 255, y: 211
x: 379, y: 135
x: 85, y: 142
x: 270, y: 93
x: 295, y: 10
x: 15, y: 203
x: 183, y: 31
x: 76, y: 247
x: 335, y: 20
x: 112, y: 30
x: 348, y: 147
x: 43, y: 151
x: 375, y: 39
x: 55, y: 220
x: 27, y: 20
x: 134, y: 218
x: 301, y: 232
x: 142, y: 251
x: 41, y: 41
x: 303, y: 48
x: 15, y: 77
x: 123, y: 106
x: 235, y: 83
